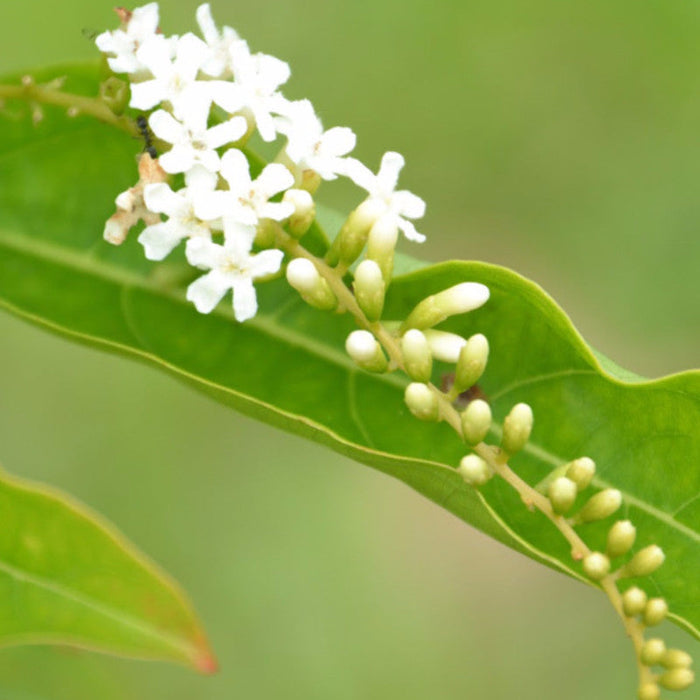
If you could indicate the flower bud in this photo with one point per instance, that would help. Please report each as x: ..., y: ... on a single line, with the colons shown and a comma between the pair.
x: 646, y: 561
x: 562, y: 494
x: 370, y: 289
x: 314, y: 290
x: 472, y: 362
x: 653, y: 651
x: 581, y: 471
x: 655, y: 612
x: 517, y: 428
x: 598, y: 507
x: 422, y: 402
x: 444, y: 346
x: 115, y: 94
x: 596, y: 566
x: 649, y: 691
x: 450, y: 302
x: 383, y: 237
x: 304, y: 211
x: 677, y: 658
x: 677, y: 679
x: 634, y: 601
x: 476, y: 421
x: 364, y: 349
x: 351, y: 239
x: 417, y: 358
x: 621, y: 538
x: 474, y: 470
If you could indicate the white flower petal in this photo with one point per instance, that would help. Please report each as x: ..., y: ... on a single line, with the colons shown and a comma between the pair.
x: 267, y: 262
x: 166, y: 127
x: 161, y: 199
x: 388, y: 175
x: 199, y: 179
x: 159, y: 240
x: 206, y: 292
x: 410, y: 232
x: 146, y: 95
x: 191, y: 53
x: 359, y: 173
x: 179, y: 159
x: 272, y: 72
x: 235, y: 169
x: 228, y: 132
x: 279, y: 211
x: 203, y: 253
x: 206, y: 24
x: 156, y: 54
x: 245, y: 302
x: 408, y: 204
x: 338, y: 141
x: 273, y: 179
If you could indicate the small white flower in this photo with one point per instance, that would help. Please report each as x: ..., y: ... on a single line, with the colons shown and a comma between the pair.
x: 257, y: 78
x: 141, y: 26
x: 397, y: 206
x: 160, y: 239
x: 232, y: 266
x: 247, y: 201
x: 309, y: 146
x: 174, y: 80
x: 218, y: 62
x: 193, y: 144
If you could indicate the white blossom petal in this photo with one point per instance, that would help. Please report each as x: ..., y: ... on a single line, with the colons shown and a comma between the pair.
x: 245, y: 302
x: 207, y: 291
x: 159, y: 240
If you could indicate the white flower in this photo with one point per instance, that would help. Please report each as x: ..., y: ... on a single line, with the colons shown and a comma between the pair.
x: 232, y: 267
x: 193, y: 144
x: 174, y: 80
x: 396, y: 206
x: 218, y: 62
x: 160, y: 239
x: 142, y: 25
x: 309, y: 146
x: 257, y: 78
x: 247, y: 201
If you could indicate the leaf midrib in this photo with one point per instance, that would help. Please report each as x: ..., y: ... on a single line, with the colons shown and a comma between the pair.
x: 102, y: 609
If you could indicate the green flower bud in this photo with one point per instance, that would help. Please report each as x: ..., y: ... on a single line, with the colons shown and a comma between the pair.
x: 646, y: 561
x: 370, y: 289
x: 472, y: 362
x: 383, y: 237
x: 364, y: 349
x: 474, y: 470
x: 677, y: 679
x: 653, y: 651
x: 351, y: 239
x: 422, y: 402
x: 581, y: 471
x: 634, y: 601
x: 115, y: 94
x: 649, y: 691
x: 314, y: 290
x: 655, y: 612
x: 304, y: 211
x: 517, y: 428
x: 444, y: 346
x: 476, y: 421
x: 417, y: 358
x: 621, y: 538
x: 677, y: 658
x: 596, y: 566
x: 562, y: 494
x: 450, y: 302
x: 598, y: 507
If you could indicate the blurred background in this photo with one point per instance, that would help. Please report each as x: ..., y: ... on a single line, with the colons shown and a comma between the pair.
x: 559, y: 139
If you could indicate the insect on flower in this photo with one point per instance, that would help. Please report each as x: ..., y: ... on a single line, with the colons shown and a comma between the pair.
x: 146, y: 135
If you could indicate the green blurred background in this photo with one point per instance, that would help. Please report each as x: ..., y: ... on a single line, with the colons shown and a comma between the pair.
x: 558, y: 138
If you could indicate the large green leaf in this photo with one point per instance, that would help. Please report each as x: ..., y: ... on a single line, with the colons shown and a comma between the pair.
x: 66, y: 577
x: 288, y: 367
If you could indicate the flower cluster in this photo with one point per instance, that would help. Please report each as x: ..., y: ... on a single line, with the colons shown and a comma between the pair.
x: 205, y: 98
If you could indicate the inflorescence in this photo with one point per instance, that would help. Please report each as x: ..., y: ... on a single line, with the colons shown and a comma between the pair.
x: 205, y: 98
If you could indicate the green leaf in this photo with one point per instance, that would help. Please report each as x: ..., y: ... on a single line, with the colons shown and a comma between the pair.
x: 288, y: 368
x: 68, y: 577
